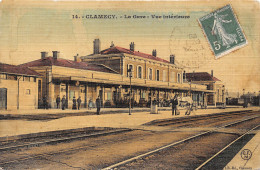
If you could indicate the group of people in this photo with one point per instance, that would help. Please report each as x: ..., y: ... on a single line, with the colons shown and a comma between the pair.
x: 76, y: 103
x: 175, y: 103
x: 98, y: 104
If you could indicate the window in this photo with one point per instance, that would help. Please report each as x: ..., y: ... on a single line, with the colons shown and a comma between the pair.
x: 39, y: 89
x: 11, y: 77
x: 25, y: 78
x: 3, y: 76
x: 109, y: 96
x: 143, y: 95
x: 218, y: 95
x: 130, y: 66
x: 82, y: 90
x: 28, y: 91
x: 139, y: 72
x: 164, y: 75
x: 179, y: 78
x: 172, y: 77
x: 150, y: 74
x: 158, y: 75
x: 72, y: 94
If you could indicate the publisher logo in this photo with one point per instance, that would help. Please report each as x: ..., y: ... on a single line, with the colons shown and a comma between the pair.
x: 246, y: 154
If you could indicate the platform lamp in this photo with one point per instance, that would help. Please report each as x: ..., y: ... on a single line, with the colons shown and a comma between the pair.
x: 129, y: 71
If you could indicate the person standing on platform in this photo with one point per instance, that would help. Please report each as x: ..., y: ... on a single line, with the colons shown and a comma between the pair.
x: 174, y: 105
x: 79, y: 102
x: 98, y: 104
x: 90, y: 104
x: 74, y: 105
x: 45, y: 102
x: 58, y: 101
x: 63, y: 102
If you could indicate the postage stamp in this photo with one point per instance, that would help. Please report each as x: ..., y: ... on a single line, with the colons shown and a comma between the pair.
x: 223, y: 31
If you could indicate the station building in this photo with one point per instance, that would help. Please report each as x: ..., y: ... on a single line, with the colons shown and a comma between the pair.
x: 218, y: 96
x: 106, y: 74
x: 19, y: 87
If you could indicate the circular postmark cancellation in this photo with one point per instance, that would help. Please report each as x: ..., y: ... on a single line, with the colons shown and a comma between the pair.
x: 188, y: 47
x: 246, y: 154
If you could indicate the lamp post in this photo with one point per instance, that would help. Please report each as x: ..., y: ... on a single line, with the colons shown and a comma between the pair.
x: 129, y: 71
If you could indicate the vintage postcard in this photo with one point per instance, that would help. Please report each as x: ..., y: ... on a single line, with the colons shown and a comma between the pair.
x: 129, y: 84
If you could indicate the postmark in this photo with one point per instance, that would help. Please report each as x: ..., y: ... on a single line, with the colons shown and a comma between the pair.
x: 190, y: 51
x: 246, y: 154
x: 223, y: 31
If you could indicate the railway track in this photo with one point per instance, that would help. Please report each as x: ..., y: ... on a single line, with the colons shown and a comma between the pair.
x: 141, y: 156
x: 197, y: 118
x: 68, y: 135
x: 4, y: 149
x: 63, y: 139
x: 204, y: 164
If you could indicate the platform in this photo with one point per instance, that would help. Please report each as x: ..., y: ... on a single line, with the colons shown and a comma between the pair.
x: 119, y: 120
x: 248, y: 157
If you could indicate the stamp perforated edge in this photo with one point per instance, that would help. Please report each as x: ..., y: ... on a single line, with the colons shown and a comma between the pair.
x: 217, y: 56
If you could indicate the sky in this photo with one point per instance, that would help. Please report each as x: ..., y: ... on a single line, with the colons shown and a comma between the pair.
x: 28, y: 27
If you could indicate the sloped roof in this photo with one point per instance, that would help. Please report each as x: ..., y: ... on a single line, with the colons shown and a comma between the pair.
x: 49, y: 61
x: 116, y: 50
x: 200, y: 76
x: 18, y: 70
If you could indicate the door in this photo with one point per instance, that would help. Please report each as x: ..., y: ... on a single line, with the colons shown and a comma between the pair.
x: 3, y: 98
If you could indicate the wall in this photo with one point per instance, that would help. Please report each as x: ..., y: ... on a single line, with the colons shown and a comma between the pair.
x: 28, y: 94
x: 154, y: 65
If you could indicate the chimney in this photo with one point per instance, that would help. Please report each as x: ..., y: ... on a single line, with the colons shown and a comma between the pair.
x: 132, y: 46
x: 154, y: 53
x: 112, y: 44
x: 212, y: 73
x: 77, y: 58
x: 55, y: 55
x: 172, y: 59
x: 44, y: 54
x: 96, y: 46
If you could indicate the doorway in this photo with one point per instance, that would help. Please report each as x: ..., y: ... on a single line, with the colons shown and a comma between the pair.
x: 3, y: 98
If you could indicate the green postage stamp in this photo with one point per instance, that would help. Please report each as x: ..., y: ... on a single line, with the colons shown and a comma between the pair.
x: 223, y: 31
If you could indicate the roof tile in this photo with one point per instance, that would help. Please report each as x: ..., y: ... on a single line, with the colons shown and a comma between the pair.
x: 49, y: 61
x: 19, y: 70
x: 200, y: 76
x: 116, y: 49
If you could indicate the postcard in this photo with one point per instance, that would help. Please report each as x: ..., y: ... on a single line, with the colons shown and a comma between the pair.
x: 129, y: 84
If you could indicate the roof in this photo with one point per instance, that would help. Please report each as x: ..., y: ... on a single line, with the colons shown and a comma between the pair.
x: 116, y: 50
x: 50, y: 61
x: 18, y: 70
x: 200, y: 76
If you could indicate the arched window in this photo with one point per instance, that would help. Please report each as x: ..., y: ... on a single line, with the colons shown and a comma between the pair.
x: 157, y: 75
x: 150, y: 73
x: 139, y: 72
x: 179, y: 77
